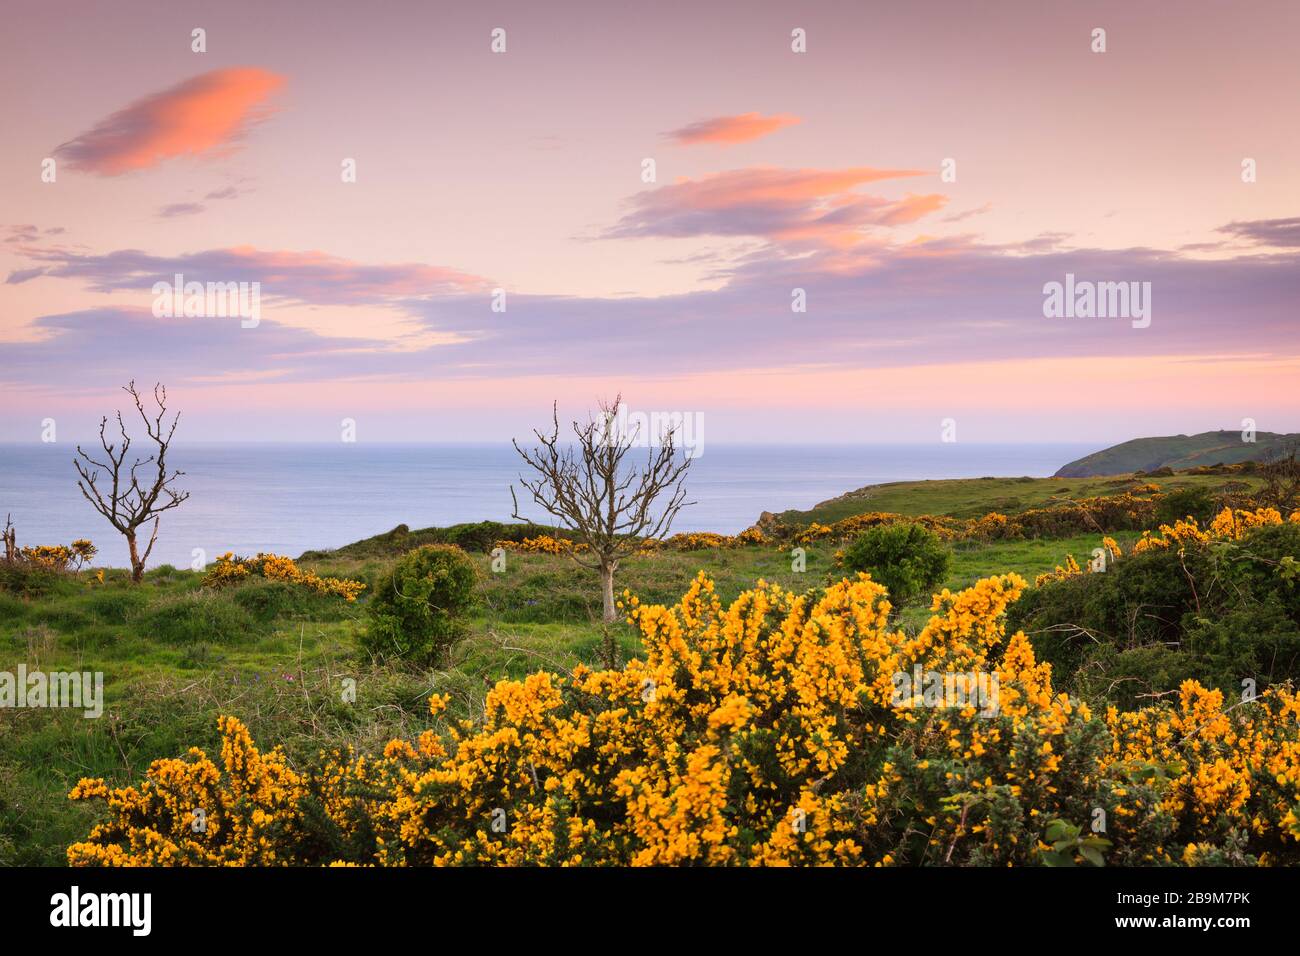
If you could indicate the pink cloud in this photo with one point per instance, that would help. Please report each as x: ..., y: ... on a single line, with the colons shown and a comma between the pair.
x: 730, y: 130
x: 204, y: 114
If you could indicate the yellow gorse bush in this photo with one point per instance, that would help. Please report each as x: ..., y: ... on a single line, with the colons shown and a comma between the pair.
x: 192, y: 812
x: 699, y: 541
x: 59, y: 557
x: 1228, y: 525
x: 685, y: 541
x: 543, y: 544
x: 1071, y: 567
x: 1128, y: 510
x: 765, y: 732
x: 228, y: 569
x: 1060, y: 573
x: 53, y: 557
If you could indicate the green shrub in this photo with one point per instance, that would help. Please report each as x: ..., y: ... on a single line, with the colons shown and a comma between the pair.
x: 484, y: 535
x: 269, y: 601
x: 417, y: 610
x: 478, y: 536
x: 26, y: 579
x: 1177, y: 505
x: 470, y: 536
x: 201, y: 616
x: 1221, y: 614
x: 906, y: 558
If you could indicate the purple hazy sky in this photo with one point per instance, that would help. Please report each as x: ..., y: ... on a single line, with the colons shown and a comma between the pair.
x: 916, y: 177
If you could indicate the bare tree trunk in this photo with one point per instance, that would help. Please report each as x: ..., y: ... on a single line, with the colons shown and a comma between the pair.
x: 137, y: 566
x: 607, y: 588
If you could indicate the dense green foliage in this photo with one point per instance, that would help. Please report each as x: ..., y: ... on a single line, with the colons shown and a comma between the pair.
x: 418, y: 609
x: 1182, y: 503
x: 1222, y: 614
x: 907, y: 559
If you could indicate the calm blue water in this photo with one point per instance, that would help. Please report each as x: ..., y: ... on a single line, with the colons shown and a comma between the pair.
x: 292, y: 498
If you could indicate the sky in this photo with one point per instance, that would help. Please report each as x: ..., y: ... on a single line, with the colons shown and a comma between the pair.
x: 815, y: 222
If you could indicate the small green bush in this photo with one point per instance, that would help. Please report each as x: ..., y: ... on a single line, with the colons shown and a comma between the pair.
x: 417, y: 610
x: 269, y: 601
x: 478, y: 536
x: 26, y: 579
x: 1195, y: 502
x: 907, y: 559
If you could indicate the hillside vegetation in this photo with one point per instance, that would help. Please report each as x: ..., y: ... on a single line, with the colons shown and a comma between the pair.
x: 975, y: 497
x: 1179, y: 452
x: 240, y: 663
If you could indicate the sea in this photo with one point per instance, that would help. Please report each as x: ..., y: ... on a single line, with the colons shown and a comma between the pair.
x: 291, y: 498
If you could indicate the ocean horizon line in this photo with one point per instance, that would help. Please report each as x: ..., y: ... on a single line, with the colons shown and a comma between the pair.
x: 452, y: 443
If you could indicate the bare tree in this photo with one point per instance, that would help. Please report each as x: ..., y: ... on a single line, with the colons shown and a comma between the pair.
x: 10, y: 539
x: 128, y: 504
x: 596, y: 493
x: 1281, y: 474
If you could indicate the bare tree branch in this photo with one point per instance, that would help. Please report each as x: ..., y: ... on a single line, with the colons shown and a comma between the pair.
x: 133, y: 499
x: 594, y: 490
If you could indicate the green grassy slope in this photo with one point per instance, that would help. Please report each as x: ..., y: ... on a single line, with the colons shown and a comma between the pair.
x: 1177, y: 452
x: 975, y: 497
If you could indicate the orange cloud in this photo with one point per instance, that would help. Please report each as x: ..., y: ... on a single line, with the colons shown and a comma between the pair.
x: 201, y: 115
x: 730, y: 130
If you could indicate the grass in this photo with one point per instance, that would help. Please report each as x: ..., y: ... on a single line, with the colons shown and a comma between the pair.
x: 1181, y: 452
x: 975, y: 497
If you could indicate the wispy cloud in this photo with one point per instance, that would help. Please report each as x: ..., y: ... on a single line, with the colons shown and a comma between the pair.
x: 810, y: 207
x: 730, y: 130
x: 968, y: 213
x: 1283, y: 233
x: 106, y: 343
x: 206, y: 114
x: 19, y: 276
x: 225, y: 192
x: 913, y: 306
x: 22, y: 233
x: 309, y: 277
x: 180, y: 209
